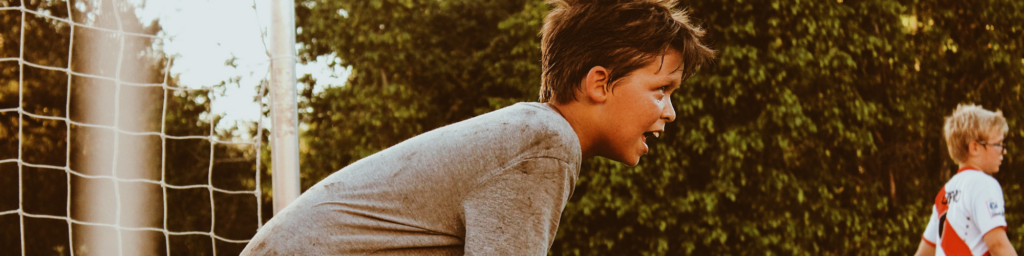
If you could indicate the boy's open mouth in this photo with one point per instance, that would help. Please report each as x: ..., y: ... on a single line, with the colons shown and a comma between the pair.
x: 649, y: 134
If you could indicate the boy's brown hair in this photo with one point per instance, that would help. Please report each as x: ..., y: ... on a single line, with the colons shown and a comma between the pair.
x: 970, y: 123
x: 619, y: 35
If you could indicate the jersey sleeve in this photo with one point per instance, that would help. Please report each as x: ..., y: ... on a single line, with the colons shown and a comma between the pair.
x: 987, y: 206
x: 931, y: 232
x: 516, y: 211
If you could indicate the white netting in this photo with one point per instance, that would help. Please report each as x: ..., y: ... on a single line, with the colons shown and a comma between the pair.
x: 43, y: 133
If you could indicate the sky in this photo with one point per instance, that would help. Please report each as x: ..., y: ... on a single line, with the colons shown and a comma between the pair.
x: 204, y: 34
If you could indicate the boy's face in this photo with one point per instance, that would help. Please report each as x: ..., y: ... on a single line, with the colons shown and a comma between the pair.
x: 639, y: 106
x: 990, y: 155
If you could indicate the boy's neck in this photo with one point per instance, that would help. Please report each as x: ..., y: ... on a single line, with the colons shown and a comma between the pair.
x: 970, y: 166
x: 964, y: 167
x: 575, y: 117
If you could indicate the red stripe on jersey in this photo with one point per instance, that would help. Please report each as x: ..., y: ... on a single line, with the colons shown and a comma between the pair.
x: 940, y: 202
x: 927, y: 242
x: 952, y: 244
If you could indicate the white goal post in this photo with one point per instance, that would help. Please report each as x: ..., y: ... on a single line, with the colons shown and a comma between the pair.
x: 284, y: 108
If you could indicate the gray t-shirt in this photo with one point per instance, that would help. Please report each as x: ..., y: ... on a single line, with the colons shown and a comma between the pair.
x: 495, y: 184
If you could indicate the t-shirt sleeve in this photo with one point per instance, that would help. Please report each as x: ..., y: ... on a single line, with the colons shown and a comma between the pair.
x: 516, y: 211
x: 931, y: 232
x: 987, y: 206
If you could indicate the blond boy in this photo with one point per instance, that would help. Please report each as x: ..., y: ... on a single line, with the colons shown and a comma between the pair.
x: 968, y: 216
x: 496, y: 184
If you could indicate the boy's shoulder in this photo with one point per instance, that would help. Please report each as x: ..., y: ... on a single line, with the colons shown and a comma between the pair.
x: 530, y: 116
x: 973, y: 180
x: 516, y: 132
x: 534, y: 125
x: 975, y: 177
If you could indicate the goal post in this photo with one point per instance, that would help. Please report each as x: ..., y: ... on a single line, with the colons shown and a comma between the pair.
x: 116, y: 205
x: 284, y: 108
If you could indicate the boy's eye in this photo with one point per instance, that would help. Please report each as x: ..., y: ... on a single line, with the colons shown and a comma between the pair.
x: 663, y: 89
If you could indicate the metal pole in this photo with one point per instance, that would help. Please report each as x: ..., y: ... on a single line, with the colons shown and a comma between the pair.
x: 284, y: 110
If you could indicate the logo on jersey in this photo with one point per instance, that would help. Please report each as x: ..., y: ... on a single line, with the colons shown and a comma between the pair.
x: 951, y: 197
x: 995, y: 209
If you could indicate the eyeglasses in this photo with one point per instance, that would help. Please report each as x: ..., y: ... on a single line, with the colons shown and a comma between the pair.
x: 1002, y: 146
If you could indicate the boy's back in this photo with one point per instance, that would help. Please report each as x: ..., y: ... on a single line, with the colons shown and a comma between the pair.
x: 493, y: 184
x: 966, y: 208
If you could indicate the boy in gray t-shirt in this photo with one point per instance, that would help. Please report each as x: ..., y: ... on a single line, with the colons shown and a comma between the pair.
x: 496, y: 184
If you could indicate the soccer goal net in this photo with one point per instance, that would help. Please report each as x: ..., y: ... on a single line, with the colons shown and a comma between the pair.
x: 104, y: 150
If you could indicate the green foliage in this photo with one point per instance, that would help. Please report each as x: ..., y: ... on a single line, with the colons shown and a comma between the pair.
x: 817, y: 131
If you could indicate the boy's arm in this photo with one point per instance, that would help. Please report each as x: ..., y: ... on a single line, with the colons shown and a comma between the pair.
x: 925, y: 249
x: 930, y: 236
x: 516, y: 211
x: 989, y: 214
x: 997, y: 242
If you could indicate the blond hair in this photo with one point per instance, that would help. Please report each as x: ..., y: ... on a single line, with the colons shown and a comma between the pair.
x: 970, y: 123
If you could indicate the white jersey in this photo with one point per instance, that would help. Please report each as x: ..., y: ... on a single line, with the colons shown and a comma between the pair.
x: 968, y: 207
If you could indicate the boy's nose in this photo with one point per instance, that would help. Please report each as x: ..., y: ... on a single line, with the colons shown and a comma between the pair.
x: 669, y: 113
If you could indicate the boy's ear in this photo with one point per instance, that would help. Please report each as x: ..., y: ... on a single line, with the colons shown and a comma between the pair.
x: 595, y: 83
